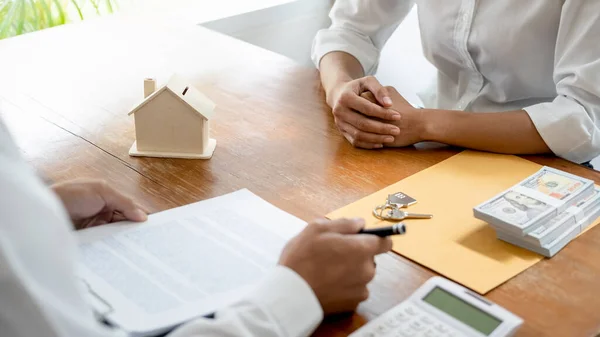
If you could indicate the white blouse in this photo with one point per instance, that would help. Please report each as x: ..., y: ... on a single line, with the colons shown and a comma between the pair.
x: 537, y: 55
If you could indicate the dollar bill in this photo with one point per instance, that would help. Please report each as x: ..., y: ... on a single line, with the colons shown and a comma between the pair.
x: 551, y: 248
x: 552, y: 229
x: 548, y: 250
x: 555, y: 183
x: 547, y: 227
x: 515, y: 208
x: 582, y: 203
x: 554, y: 223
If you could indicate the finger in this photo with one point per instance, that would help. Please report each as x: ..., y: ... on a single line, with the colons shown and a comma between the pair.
x: 374, y: 245
x: 380, y: 92
x: 367, y: 146
x: 373, y: 110
x: 369, y: 96
x: 365, y: 137
x: 345, y: 226
x: 350, y: 99
x: 362, y: 136
x: 118, y: 216
x: 97, y: 220
x: 366, y: 124
x: 398, y: 98
x: 365, y: 272
x: 359, y: 144
x: 119, y: 202
x: 364, y: 294
x: 386, y: 245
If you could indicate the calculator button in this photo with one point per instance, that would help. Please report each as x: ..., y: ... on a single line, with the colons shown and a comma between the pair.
x: 418, y: 326
x: 430, y: 333
x: 407, y: 333
x: 411, y: 311
x: 382, y: 329
x: 441, y: 328
x: 426, y: 320
x: 401, y: 316
x: 392, y: 323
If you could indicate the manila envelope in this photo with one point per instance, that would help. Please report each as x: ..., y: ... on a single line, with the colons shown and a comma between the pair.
x: 454, y: 243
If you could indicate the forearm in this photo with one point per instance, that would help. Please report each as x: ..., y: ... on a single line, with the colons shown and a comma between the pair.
x: 503, y: 132
x: 336, y: 68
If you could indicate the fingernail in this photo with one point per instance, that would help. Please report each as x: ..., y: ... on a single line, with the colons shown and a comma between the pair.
x: 358, y: 220
x: 395, y: 131
x: 140, y: 215
x: 396, y: 117
x: 387, y: 101
x: 388, y: 139
x: 378, y: 146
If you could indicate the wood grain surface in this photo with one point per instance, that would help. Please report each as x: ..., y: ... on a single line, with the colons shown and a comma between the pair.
x: 65, y: 93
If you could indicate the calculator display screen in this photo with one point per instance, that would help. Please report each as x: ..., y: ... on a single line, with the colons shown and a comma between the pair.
x: 462, y: 311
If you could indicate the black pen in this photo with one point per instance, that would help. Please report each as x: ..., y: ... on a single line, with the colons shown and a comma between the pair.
x: 397, y: 229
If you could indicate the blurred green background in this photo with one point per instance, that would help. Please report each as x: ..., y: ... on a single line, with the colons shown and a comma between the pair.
x: 24, y: 16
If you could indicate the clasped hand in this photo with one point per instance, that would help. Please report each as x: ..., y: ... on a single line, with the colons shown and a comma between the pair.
x: 372, y: 116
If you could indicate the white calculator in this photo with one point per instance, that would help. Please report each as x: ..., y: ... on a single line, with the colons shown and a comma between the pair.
x: 443, y: 308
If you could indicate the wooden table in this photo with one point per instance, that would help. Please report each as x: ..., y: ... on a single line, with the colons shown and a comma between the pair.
x: 65, y: 94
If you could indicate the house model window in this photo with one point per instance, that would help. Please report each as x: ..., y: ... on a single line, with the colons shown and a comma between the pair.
x: 173, y: 121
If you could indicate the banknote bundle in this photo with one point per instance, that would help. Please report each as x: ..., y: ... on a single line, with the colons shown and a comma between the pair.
x: 544, y: 212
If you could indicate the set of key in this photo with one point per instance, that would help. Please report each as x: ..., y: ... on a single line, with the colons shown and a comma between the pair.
x: 391, y: 210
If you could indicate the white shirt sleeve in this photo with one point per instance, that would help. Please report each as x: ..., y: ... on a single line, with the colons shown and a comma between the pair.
x: 41, y: 296
x: 283, y: 306
x: 570, y: 124
x: 360, y: 28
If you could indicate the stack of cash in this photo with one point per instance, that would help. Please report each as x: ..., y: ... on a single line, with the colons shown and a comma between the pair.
x: 544, y: 212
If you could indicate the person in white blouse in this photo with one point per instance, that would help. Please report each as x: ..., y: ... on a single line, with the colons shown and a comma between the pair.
x: 532, y: 66
x: 325, y: 269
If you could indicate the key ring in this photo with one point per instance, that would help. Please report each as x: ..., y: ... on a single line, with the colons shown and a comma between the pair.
x: 395, y: 214
x: 378, y: 211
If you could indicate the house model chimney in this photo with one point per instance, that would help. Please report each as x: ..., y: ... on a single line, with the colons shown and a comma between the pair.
x: 149, y: 86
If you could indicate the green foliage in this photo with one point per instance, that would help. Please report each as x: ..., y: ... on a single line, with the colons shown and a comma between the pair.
x: 23, y: 16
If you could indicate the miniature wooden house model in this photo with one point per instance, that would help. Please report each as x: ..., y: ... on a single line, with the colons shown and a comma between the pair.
x: 173, y: 121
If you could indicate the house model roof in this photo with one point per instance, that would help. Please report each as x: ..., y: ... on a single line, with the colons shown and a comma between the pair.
x: 189, y: 95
